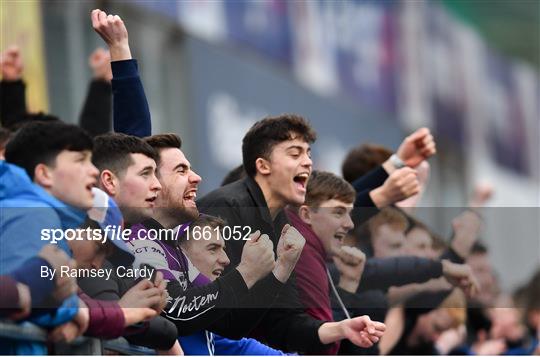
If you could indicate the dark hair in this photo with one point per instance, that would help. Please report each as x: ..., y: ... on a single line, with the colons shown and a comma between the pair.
x: 112, y: 151
x: 323, y: 186
x: 437, y: 242
x: 164, y: 141
x: 204, y: 220
x: 479, y: 248
x: 391, y: 216
x: 234, y: 175
x: 270, y: 131
x: 5, y: 134
x: 362, y: 159
x: 40, y: 143
x: 108, y: 247
x: 16, y: 122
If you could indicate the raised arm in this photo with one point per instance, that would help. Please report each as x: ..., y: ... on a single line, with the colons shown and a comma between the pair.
x: 95, y: 116
x: 131, y: 114
x: 12, y: 87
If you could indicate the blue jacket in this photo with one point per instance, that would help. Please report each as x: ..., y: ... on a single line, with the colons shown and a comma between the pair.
x: 26, y: 209
x: 206, y: 343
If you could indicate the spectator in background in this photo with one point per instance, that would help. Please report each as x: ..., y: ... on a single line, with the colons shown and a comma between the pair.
x: 481, y: 266
x: 422, y: 330
x: 12, y: 87
x: 381, y: 179
x: 96, y: 114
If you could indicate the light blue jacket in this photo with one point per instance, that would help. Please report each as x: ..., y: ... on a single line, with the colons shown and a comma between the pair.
x: 26, y: 209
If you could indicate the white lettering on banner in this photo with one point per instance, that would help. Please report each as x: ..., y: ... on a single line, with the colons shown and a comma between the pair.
x: 196, y: 304
x: 228, y: 120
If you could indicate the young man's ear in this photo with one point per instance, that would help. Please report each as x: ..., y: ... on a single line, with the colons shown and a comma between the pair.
x: 263, y: 166
x: 43, y: 176
x: 305, y: 214
x: 108, y: 182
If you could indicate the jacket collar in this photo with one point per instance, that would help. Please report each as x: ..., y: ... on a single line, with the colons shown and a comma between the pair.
x: 258, y: 198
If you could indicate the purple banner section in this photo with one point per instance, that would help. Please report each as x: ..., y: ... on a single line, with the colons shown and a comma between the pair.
x: 262, y: 25
x: 507, y: 137
x: 365, y: 51
x: 361, y: 50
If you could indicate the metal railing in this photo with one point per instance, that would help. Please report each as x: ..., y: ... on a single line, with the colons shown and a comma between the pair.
x: 80, y: 346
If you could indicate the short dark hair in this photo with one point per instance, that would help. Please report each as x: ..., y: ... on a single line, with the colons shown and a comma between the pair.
x: 164, y: 141
x: 204, y: 220
x: 16, y: 122
x: 234, y: 175
x: 112, y: 151
x: 41, y: 142
x: 479, y: 248
x: 362, y: 159
x: 270, y: 131
x: 323, y: 186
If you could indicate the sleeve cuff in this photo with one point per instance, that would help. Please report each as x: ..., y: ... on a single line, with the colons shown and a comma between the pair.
x: 372, y: 179
x: 438, y: 269
x: 125, y: 69
x: 9, y: 295
x: 451, y: 255
x: 363, y: 199
x: 236, y: 283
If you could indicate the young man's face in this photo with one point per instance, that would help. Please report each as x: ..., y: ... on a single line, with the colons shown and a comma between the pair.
x: 387, y: 241
x: 430, y: 326
x: 208, y: 256
x: 419, y: 243
x: 290, y: 167
x: 330, y: 221
x: 72, y: 177
x: 179, y: 182
x: 138, y: 188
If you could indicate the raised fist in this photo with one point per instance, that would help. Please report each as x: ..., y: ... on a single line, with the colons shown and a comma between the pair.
x: 257, y: 258
x: 350, y: 262
x: 11, y: 64
x: 289, y: 248
x: 112, y: 30
x: 461, y: 276
x: 100, y: 63
x: 417, y: 147
x: 401, y: 184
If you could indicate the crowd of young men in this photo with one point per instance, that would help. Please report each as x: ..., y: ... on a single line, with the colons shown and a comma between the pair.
x: 319, y: 264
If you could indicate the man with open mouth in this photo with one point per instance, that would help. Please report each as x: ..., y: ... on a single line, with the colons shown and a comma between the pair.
x: 277, y: 159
